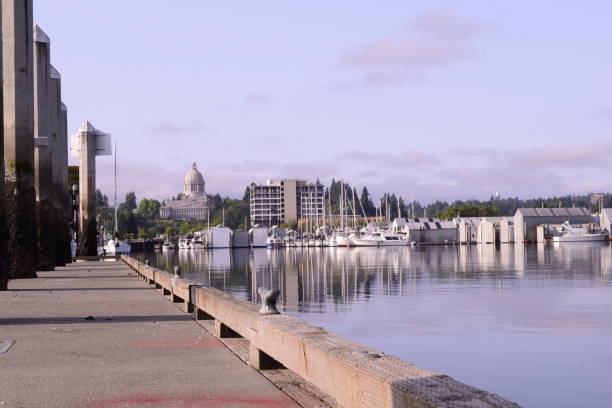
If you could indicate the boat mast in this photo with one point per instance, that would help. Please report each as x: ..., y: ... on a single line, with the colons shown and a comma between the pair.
x: 354, y: 215
x: 115, y: 192
x: 399, y: 210
x: 341, y: 205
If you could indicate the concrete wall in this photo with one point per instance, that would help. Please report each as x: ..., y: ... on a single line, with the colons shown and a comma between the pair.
x: 290, y: 200
x: 240, y: 239
x: 432, y: 236
x: 506, y: 231
x: 487, y: 232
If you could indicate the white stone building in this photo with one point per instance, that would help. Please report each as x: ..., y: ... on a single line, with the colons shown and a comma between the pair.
x: 193, y: 204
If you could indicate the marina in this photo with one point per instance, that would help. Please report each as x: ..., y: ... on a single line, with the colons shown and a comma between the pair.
x: 508, y: 319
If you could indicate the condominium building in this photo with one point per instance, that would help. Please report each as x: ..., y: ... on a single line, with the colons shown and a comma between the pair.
x: 282, y: 201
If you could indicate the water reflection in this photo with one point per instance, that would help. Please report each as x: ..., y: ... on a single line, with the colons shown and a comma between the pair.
x: 542, y: 312
x: 308, y: 278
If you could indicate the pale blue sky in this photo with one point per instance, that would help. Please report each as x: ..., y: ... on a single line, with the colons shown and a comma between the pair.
x: 435, y: 100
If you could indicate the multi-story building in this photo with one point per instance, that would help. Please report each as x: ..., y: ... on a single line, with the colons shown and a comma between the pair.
x: 282, y: 201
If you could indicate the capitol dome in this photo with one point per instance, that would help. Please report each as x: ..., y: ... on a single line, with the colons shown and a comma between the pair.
x: 194, y: 182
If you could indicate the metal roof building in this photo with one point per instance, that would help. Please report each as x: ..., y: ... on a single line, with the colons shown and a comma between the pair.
x: 526, y: 220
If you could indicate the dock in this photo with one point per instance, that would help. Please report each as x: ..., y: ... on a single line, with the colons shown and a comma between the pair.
x: 92, y: 335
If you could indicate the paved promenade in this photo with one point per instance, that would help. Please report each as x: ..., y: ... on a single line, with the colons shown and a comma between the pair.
x: 93, y: 335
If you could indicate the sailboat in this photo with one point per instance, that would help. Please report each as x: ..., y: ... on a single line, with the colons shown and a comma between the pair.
x: 114, y: 245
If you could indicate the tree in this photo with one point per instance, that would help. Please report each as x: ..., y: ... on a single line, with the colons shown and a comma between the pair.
x: 101, y: 199
x: 149, y: 208
x: 468, y: 210
x: 185, y: 228
x: 247, y: 195
x: 169, y: 231
x: 130, y: 202
x: 366, y: 202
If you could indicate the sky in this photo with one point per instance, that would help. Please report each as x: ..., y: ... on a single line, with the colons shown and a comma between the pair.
x: 432, y: 100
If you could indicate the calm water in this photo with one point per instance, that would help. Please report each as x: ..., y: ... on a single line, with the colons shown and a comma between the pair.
x: 533, y: 324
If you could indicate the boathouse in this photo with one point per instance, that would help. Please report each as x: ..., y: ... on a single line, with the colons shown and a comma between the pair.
x: 526, y: 220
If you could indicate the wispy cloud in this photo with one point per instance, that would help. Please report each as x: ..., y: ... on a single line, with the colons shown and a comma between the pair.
x: 402, y: 159
x: 446, y: 175
x: 604, y: 113
x: 258, y: 98
x: 165, y: 128
x: 436, y: 38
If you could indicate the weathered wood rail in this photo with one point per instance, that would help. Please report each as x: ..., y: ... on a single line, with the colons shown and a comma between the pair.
x: 353, y: 374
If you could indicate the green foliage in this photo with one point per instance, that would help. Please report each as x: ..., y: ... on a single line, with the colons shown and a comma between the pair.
x: 130, y: 202
x: 468, y: 210
x: 290, y: 225
x: 149, y: 208
x: 185, y: 228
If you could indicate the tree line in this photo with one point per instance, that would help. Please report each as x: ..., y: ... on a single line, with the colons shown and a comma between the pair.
x: 141, y: 219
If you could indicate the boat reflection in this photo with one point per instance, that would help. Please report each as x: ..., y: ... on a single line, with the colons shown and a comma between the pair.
x: 310, y: 278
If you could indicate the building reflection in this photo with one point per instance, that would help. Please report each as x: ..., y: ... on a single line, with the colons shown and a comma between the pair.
x: 313, y: 279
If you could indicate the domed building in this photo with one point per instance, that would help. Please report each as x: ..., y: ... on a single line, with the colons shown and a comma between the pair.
x: 193, y: 203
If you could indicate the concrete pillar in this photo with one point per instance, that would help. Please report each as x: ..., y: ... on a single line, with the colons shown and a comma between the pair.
x: 59, y: 164
x: 87, y: 190
x: 18, y: 113
x: 67, y: 194
x: 43, y: 145
x: 3, y: 215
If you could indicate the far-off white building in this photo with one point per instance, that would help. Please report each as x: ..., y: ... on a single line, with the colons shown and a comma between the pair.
x: 283, y: 201
x: 193, y: 204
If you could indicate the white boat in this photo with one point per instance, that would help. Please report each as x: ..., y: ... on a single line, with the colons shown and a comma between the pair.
x: 183, y: 243
x: 117, y: 246
x: 379, y: 238
x: 274, y: 242
x: 342, y: 240
x: 196, y: 244
x: 168, y: 245
x: 580, y: 233
x: 331, y: 241
x: 289, y: 242
x: 114, y: 245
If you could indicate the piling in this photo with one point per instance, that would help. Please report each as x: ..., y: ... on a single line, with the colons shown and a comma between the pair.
x: 87, y: 191
x: 3, y: 230
x: 18, y: 114
x: 43, y: 145
x: 59, y: 166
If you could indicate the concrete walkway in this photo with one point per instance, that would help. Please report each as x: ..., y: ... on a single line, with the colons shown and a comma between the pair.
x: 93, y: 335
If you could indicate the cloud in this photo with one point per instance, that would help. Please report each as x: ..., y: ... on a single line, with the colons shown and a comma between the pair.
x: 168, y: 128
x: 258, y: 98
x: 604, y: 113
x: 436, y: 38
x: 310, y: 170
x: 577, y: 156
x: 403, y: 159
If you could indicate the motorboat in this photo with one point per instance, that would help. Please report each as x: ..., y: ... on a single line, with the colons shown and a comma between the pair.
x: 117, y: 246
x: 168, y: 245
x: 289, y: 242
x: 196, y: 244
x: 183, y: 243
x: 579, y: 233
x: 274, y: 242
x: 379, y: 238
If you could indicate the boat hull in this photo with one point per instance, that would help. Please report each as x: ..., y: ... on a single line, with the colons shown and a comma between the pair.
x: 581, y: 238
